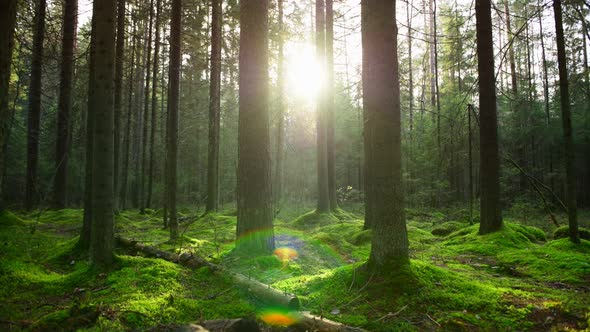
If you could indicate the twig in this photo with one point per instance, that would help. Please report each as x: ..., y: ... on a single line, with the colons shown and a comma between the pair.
x: 393, y: 314
x: 435, y: 322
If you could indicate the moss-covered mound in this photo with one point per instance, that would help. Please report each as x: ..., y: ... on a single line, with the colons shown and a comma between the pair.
x: 448, y: 228
x: 563, y: 232
x: 314, y: 219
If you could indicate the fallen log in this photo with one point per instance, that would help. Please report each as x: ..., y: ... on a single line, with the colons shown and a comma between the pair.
x: 262, y: 291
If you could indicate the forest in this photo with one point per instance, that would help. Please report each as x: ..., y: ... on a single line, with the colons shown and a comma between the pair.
x: 294, y: 165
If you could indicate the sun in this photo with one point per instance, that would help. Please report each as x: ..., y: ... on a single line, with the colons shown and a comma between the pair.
x: 305, y: 74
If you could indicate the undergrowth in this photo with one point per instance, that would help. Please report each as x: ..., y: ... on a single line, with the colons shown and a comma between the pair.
x: 514, y: 279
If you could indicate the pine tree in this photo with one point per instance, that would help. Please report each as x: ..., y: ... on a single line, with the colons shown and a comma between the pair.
x: 254, y: 228
x: 491, y: 214
x: 381, y: 94
x: 7, y: 23
x: 34, y: 113
x: 102, y: 234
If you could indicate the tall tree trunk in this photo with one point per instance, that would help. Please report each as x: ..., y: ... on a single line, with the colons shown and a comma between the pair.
x: 410, y: 70
x: 470, y: 145
x: 254, y: 229
x: 154, y: 105
x: 34, y: 114
x: 389, y: 246
x: 146, y: 113
x: 278, y: 183
x: 70, y: 13
x: 173, y: 105
x: 491, y: 213
x: 323, y: 203
x: 214, y: 108
x: 84, y: 241
x: 569, y: 159
x: 330, y: 118
x: 367, y: 121
x: 127, y: 139
x: 546, y: 100
x: 119, y: 59
x: 7, y: 23
x: 102, y: 234
x: 515, y: 102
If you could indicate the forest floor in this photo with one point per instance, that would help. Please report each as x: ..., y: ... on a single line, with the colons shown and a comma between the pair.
x: 517, y: 279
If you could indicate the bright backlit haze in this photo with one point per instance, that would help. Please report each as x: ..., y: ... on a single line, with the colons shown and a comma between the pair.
x: 304, y: 73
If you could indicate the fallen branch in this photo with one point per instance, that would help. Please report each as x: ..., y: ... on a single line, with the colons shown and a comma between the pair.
x: 262, y: 291
x: 389, y: 315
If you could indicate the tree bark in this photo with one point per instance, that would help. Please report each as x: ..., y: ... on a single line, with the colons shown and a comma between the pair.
x: 367, y: 127
x: 323, y: 203
x: 127, y: 140
x: 154, y: 124
x: 34, y: 114
x: 84, y: 241
x: 173, y: 105
x: 102, y: 234
x: 119, y: 60
x: 491, y: 213
x: 566, y: 118
x: 254, y: 228
x: 7, y: 23
x: 278, y: 187
x: 60, y: 183
x: 389, y: 246
x: 330, y: 118
x: 214, y: 108
x: 146, y: 113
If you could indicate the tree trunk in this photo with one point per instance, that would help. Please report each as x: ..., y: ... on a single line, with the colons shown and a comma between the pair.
x: 146, y: 113
x: 516, y: 109
x: 331, y: 121
x: 70, y: 12
x: 323, y: 203
x: 127, y: 139
x: 84, y: 241
x: 389, y: 246
x: 546, y: 99
x: 119, y: 59
x: 102, y: 234
x: 7, y: 23
x: 569, y: 159
x: 491, y: 213
x: 254, y: 228
x: 153, y: 127
x: 173, y: 105
x: 34, y: 114
x: 278, y: 187
x: 367, y: 127
x: 214, y: 108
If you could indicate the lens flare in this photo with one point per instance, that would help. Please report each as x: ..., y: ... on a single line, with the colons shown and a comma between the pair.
x: 285, y: 254
x: 278, y: 317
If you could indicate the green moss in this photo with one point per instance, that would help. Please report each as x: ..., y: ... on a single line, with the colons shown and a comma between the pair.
x: 448, y: 228
x: 314, y: 219
x: 563, y: 232
x: 7, y: 218
x: 534, y: 234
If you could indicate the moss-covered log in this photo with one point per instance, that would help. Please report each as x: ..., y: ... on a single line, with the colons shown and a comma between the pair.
x: 262, y: 291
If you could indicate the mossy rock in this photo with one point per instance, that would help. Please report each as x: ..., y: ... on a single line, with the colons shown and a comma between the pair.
x: 563, y: 232
x: 448, y: 228
x: 7, y: 218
